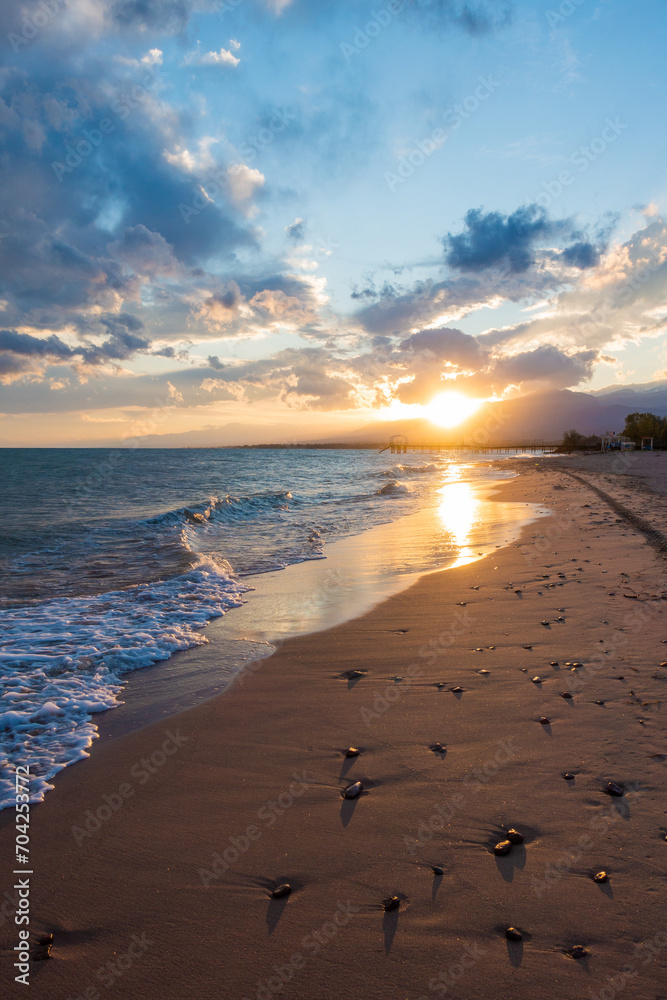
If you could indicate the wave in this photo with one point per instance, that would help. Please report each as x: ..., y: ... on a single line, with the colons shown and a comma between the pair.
x: 230, y: 507
x: 393, y: 488
x: 61, y: 661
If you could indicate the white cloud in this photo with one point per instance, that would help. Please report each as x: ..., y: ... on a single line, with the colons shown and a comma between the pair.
x: 244, y: 181
x: 222, y: 58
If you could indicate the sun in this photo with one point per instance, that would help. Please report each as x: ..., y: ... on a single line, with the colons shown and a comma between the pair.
x: 449, y: 409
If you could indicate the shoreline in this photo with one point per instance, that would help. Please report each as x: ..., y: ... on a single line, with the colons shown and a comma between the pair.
x: 336, y: 595
x: 254, y: 777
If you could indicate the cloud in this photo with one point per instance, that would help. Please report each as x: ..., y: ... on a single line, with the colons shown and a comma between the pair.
x: 244, y: 182
x: 492, y: 239
x: 296, y: 231
x: 224, y: 57
x: 477, y: 18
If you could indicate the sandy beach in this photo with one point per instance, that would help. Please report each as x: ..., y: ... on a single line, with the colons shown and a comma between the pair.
x: 154, y: 860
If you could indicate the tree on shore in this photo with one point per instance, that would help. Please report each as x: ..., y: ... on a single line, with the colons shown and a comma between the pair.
x: 573, y: 439
x: 639, y: 425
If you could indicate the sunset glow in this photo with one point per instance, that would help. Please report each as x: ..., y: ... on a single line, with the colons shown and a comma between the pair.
x: 449, y: 409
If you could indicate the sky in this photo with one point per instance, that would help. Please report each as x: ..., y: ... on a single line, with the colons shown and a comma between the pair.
x: 278, y: 219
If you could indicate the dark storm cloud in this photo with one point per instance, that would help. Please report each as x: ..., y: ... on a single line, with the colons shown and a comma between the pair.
x: 490, y: 239
x: 511, y: 242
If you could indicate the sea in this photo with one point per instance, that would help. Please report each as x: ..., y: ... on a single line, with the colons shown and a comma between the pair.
x: 114, y: 560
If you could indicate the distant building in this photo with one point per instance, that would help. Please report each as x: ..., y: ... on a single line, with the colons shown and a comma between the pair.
x: 617, y: 442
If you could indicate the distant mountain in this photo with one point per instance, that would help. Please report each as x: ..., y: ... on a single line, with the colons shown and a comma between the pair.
x: 540, y: 417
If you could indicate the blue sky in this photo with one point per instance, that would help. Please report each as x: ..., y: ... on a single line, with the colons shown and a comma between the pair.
x: 291, y: 215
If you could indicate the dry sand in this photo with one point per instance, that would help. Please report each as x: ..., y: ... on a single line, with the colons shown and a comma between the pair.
x: 169, y: 898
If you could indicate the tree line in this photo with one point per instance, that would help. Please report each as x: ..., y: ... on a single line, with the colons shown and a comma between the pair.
x: 637, y: 426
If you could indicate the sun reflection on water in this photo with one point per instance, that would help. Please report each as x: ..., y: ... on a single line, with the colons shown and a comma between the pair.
x: 458, y: 512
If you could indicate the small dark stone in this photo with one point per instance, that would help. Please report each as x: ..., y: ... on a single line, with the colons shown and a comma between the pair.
x: 504, y: 847
x: 527, y: 647
x: 441, y: 684
x: 514, y: 836
x: 391, y: 903
x: 491, y: 647
x: 554, y: 663
x: 479, y: 649
x: 437, y: 870
x: 613, y: 789
x: 46, y: 939
x: 457, y: 690
x: 353, y: 791
x: 544, y: 721
x: 566, y: 694
x: 512, y: 934
x: 282, y: 890
x: 663, y: 664
x: 41, y: 954
x: 536, y: 680
x: 621, y: 677
x: 545, y: 623
x: 483, y: 672
x: 601, y: 877
x: 353, y: 674
x: 599, y: 703
x: 568, y: 776
x: 438, y: 748
x: 352, y: 752
x: 578, y: 951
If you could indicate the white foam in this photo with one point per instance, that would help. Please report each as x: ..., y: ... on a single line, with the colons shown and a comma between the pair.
x: 62, y: 661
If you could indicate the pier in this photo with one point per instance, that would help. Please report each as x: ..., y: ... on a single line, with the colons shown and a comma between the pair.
x: 399, y: 445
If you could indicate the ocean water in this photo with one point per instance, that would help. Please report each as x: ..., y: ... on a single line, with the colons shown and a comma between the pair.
x: 113, y: 560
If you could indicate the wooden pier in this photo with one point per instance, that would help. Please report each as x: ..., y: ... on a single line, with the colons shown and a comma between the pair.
x: 399, y: 445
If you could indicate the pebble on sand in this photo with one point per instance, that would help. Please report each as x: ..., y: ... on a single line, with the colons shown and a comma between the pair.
x: 352, y: 791
x: 544, y: 721
x: 352, y: 752
x: 391, y: 903
x: 512, y: 934
x: 536, y: 680
x: 554, y: 663
x: 514, y: 836
x: 437, y: 870
x: 566, y: 694
x: 578, y: 951
x: 504, y: 847
x: 438, y: 748
x: 350, y: 675
x: 613, y: 789
x: 568, y: 776
x: 600, y: 877
x: 599, y: 703
x: 282, y: 890
x: 484, y: 672
x: 527, y: 647
x: 457, y: 690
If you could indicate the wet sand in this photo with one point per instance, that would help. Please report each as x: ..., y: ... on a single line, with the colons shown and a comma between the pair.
x: 155, y: 860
